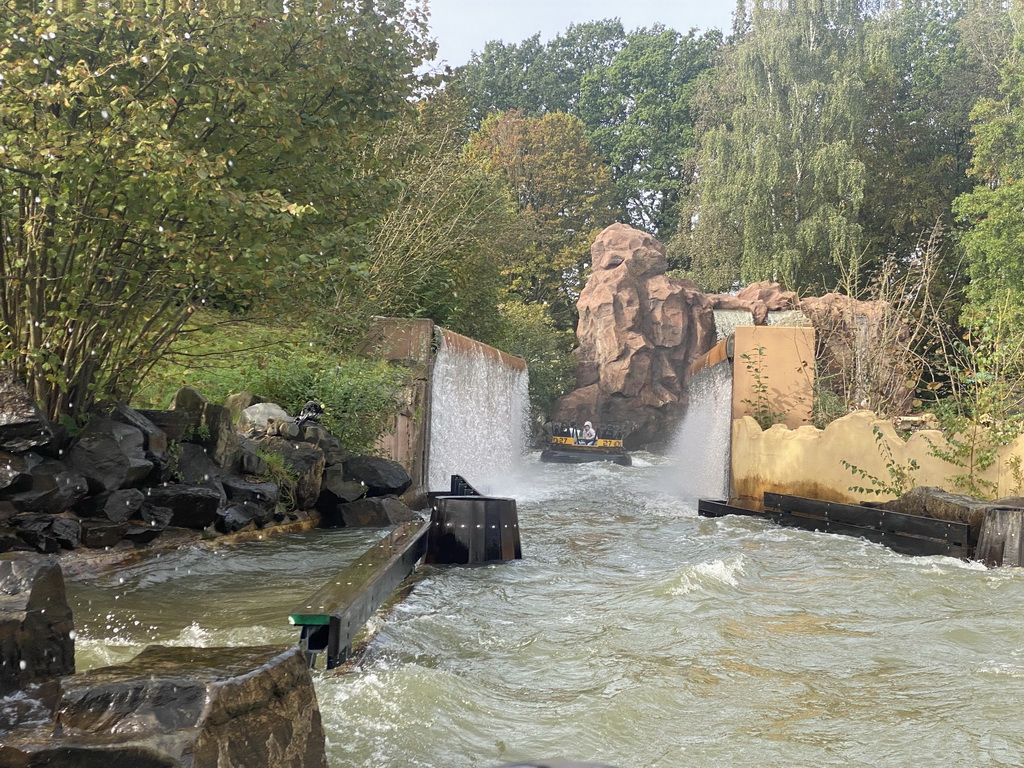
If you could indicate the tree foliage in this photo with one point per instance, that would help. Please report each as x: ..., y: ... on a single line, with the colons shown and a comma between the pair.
x: 781, y: 186
x: 154, y: 163
x: 562, y: 188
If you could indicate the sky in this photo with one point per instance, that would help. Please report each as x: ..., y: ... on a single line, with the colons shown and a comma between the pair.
x: 463, y: 26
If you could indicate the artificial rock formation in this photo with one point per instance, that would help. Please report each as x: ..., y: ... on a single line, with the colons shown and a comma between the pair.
x: 638, y: 332
x: 758, y: 299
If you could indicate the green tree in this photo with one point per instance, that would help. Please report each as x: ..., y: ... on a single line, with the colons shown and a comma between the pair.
x: 156, y: 163
x: 439, y: 249
x: 639, y: 111
x: 994, y: 210
x: 562, y: 188
x: 781, y: 186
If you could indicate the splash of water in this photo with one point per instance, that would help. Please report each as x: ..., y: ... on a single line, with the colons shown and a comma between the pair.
x: 701, y: 447
x: 727, y: 320
x: 478, y: 416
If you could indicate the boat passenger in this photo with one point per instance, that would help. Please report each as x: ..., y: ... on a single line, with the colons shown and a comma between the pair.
x: 588, y: 436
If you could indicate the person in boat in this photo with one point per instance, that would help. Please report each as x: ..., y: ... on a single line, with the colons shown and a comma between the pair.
x: 587, y: 435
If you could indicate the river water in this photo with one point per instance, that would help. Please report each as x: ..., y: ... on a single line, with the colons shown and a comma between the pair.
x: 633, y: 633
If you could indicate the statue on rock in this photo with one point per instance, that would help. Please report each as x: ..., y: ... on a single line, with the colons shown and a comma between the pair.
x: 638, y: 332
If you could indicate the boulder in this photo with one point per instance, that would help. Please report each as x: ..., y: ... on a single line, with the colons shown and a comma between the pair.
x: 15, y: 470
x: 22, y: 425
x: 256, y: 417
x: 52, y: 487
x: 336, y: 488
x: 191, y: 463
x: 182, y: 708
x: 110, y: 455
x: 638, y: 332
x: 304, y: 460
x: 36, y: 630
x: 141, y: 534
x: 175, y: 424
x: 191, y: 506
x: 261, y: 494
x: 376, y: 512
x: 334, y: 452
x: 381, y: 477
x: 154, y: 516
x: 239, y: 401
x: 241, y: 515
x: 48, y: 534
x: 154, y: 439
x: 114, y: 506
x: 100, y: 534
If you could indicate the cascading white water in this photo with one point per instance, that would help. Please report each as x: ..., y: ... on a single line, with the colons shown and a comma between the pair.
x: 788, y: 318
x: 727, y: 320
x: 701, y: 448
x: 479, y: 415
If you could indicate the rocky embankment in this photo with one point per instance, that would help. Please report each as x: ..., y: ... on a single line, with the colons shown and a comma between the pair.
x: 199, y: 469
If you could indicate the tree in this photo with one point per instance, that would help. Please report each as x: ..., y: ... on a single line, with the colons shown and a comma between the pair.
x: 152, y: 164
x: 780, y: 181
x: 639, y: 111
x: 438, y: 251
x: 994, y: 210
x: 563, y: 189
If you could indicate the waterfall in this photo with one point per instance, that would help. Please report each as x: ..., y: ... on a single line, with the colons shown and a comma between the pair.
x: 701, y: 447
x: 479, y: 413
x: 726, y: 321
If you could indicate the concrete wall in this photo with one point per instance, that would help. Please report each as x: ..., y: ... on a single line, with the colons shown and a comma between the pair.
x: 778, y: 372
x: 808, y: 462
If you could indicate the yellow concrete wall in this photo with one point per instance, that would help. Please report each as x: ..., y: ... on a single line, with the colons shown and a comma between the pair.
x: 808, y: 462
x: 786, y: 370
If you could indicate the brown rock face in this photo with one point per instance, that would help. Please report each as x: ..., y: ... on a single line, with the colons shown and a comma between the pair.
x: 638, y: 331
x: 757, y: 298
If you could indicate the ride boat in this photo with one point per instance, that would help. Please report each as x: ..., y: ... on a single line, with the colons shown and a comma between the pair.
x: 569, y: 443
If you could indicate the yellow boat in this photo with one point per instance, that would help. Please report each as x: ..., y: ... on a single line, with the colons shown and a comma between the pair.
x: 567, y: 445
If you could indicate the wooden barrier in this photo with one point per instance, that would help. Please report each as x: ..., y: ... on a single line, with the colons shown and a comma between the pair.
x: 333, y: 615
x: 907, y: 534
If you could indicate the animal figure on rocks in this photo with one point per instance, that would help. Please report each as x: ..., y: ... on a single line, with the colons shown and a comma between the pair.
x: 311, y: 411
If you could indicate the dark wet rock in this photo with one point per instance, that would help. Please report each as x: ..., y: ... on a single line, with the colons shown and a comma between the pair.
x: 175, y: 424
x: 223, y: 440
x: 110, y: 455
x: 142, y: 534
x: 154, y: 439
x: 22, y: 425
x: 98, y: 534
x: 36, y: 641
x: 375, y: 512
x: 261, y: 494
x: 192, y: 464
x: 242, y: 515
x: 48, y: 534
x: 7, y: 511
x: 303, y: 459
x: 67, y: 530
x: 15, y: 470
x: 381, y: 477
x: 334, y: 452
x: 52, y: 488
x: 335, y: 488
x: 191, y: 506
x: 183, y: 708
x: 116, y: 506
x: 249, y: 460
x: 156, y: 517
x: 59, y: 443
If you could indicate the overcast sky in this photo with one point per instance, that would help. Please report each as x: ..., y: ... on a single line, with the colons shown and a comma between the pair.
x: 464, y: 26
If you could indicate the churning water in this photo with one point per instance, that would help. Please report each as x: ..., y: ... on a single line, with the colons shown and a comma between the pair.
x: 633, y: 633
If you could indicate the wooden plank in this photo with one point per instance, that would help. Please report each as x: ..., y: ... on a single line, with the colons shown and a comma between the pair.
x: 904, y: 544
x: 713, y: 508
x: 955, y: 533
x: 350, y: 598
x: 907, y: 545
